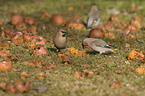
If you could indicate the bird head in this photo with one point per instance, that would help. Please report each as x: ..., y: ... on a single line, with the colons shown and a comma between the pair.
x: 94, y: 7
x: 62, y: 33
x: 84, y: 43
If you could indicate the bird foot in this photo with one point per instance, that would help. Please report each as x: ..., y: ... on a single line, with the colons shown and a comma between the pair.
x: 57, y: 50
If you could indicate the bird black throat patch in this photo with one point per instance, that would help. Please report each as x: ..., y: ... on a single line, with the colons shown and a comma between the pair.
x: 63, y: 35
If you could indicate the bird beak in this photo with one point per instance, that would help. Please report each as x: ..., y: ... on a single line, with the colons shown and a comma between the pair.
x: 66, y: 32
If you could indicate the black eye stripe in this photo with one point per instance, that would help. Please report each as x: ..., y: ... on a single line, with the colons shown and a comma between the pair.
x: 63, y: 32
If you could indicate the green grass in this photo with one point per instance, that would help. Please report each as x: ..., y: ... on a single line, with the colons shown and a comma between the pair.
x: 60, y: 81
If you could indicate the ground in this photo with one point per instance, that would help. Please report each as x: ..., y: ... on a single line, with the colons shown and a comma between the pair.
x: 107, y: 69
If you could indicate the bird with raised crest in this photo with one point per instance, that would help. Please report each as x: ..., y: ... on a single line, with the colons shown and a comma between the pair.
x: 60, y: 40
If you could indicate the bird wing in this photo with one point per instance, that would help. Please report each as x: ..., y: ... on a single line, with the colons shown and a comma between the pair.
x: 97, y: 14
x: 100, y: 43
x: 99, y: 48
x: 93, y: 16
x: 89, y: 22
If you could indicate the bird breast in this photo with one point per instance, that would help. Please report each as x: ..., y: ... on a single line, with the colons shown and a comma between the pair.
x: 60, y: 42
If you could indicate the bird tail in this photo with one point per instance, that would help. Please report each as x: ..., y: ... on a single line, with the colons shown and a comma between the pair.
x: 112, y: 51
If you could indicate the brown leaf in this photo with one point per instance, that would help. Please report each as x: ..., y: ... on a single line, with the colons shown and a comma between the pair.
x: 24, y: 75
x: 67, y: 61
x: 10, y: 88
x: 70, y: 8
x: 77, y: 75
x: 140, y: 69
x: 41, y: 76
x: 87, y: 74
x: 45, y: 15
x: 5, y: 53
x: 21, y: 87
x: 48, y: 67
x: 136, y: 55
x: 2, y: 85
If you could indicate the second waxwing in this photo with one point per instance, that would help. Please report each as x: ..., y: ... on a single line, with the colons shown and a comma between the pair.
x: 97, y: 45
x: 60, y: 40
x: 93, y: 17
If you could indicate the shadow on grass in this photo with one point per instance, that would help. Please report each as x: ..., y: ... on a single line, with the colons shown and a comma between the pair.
x: 97, y: 53
x: 92, y: 52
x: 52, y: 49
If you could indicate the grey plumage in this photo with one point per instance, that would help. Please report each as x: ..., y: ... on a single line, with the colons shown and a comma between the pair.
x: 93, y: 17
x: 60, y: 40
x: 97, y: 45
